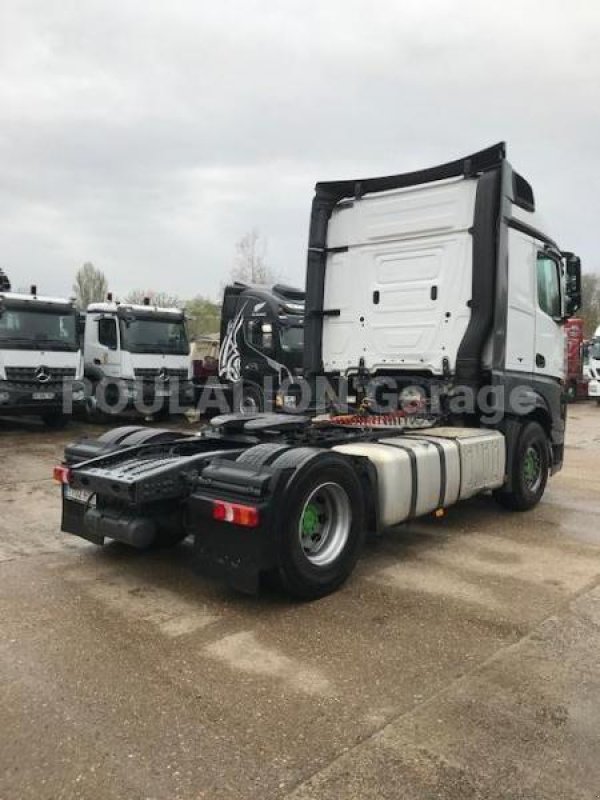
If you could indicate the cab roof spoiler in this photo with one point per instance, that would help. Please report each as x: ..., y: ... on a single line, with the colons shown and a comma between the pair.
x: 469, y: 167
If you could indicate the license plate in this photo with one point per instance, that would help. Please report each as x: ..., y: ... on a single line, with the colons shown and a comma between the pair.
x: 43, y: 395
x: 80, y: 496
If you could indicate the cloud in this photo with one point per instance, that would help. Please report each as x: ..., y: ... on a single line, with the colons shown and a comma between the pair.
x: 148, y: 137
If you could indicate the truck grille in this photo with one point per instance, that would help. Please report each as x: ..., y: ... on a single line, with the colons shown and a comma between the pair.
x: 29, y: 377
x: 152, y: 374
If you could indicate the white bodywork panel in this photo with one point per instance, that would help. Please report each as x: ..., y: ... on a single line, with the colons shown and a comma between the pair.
x: 522, y: 302
x: 413, y: 247
x: 474, y: 461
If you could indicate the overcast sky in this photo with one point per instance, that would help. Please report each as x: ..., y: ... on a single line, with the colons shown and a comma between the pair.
x: 147, y: 137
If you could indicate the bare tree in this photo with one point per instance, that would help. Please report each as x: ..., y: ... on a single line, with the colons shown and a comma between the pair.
x: 163, y: 299
x: 250, y: 265
x: 90, y: 285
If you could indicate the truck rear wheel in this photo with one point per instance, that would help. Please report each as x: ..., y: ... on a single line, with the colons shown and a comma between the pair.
x: 323, y: 531
x: 529, y: 470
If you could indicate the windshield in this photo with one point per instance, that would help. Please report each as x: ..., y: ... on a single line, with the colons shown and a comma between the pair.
x: 28, y: 329
x: 595, y: 349
x: 292, y: 339
x: 154, y: 336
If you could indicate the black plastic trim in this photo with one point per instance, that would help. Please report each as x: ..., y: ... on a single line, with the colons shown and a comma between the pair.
x: 443, y: 472
x: 487, y: 202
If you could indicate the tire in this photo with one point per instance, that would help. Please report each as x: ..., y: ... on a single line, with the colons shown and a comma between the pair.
x: 252, y: 400
x: 529, y: 470
x: 55, y: 420
x: 322, y: 530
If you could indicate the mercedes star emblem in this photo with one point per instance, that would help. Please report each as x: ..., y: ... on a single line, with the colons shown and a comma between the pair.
x: 42, y: 375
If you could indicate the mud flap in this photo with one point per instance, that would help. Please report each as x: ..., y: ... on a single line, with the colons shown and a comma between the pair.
x: 73, y: 521
x: 230, y: 553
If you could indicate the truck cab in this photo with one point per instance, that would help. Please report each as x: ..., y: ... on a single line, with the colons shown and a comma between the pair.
x: 593, y: 367
x: 262, y: 339
x: 456, y: 289
x: 40, y: 356
x: 137, y: 356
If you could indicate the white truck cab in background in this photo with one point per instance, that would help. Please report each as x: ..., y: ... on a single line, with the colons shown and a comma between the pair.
x: 40, y: 355
x: 593, y: 367
x: 136, y: 356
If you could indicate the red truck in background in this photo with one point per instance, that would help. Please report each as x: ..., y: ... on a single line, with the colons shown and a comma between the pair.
x: 577, y: 383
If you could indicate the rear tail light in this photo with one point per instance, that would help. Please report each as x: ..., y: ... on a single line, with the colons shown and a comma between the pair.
x: 238, y: 514
x: 61, y: 474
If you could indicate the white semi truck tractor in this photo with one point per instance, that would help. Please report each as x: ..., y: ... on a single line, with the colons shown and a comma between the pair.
x: 41, y: 367
x: 137, y: 356
x: 441, y: 285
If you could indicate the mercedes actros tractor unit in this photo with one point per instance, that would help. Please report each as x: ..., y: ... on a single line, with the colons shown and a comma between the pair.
x: 137, y: 356
x: 443, y: 282
x: 41, y: 367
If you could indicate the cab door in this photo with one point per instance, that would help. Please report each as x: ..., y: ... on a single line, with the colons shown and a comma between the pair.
x: 103, y: 351
x: 549, y: 356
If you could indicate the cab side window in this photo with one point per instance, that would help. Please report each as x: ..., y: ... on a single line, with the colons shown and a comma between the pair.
x: 107, y: 333
x: 548, y: 285
x: 259, y: 334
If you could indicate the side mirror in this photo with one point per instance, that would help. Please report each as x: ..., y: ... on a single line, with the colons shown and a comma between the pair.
x: 573, y: 299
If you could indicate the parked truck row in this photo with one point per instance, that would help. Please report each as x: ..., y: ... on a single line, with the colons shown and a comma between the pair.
x: 117, y: 357
x: 442, y: 282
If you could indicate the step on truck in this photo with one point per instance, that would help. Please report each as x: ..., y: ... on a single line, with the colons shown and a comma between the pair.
x: 443, y: 283
x: 261, y: 348
x: 137, y: 357
x: 41, y: 367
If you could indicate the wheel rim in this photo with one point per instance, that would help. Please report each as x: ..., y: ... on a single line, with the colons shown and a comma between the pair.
x: 532, y: 468
x: 324, y: 525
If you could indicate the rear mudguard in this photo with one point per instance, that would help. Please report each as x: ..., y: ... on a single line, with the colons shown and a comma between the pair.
x: 231, y: 553
x: 117, y: 439
x: 239, y: 555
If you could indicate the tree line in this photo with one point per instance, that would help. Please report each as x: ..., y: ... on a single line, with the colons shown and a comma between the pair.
x: 249, y: 266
